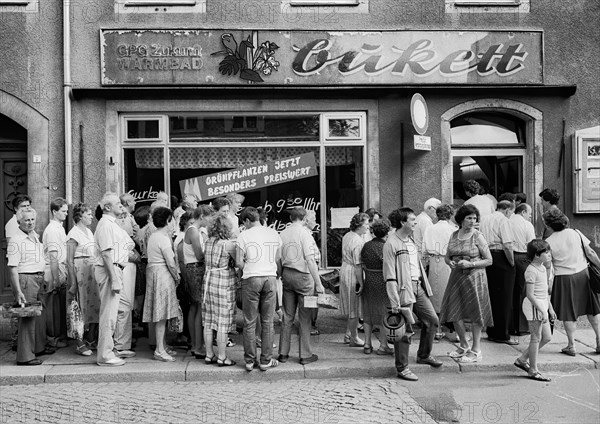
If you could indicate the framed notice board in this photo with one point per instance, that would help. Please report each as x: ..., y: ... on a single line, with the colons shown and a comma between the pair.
x: 586, y: 167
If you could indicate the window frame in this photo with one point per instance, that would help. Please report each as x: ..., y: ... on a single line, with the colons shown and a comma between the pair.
x: 323, y: 142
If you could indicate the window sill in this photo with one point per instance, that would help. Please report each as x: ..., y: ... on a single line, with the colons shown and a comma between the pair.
x: 152, y: 6
x: 493, y: 6
x: 27, y: 6
x: 300, y: 3
x: 333, y: 6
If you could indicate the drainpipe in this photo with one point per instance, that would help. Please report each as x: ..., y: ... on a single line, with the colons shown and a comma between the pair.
x: 67, y: 98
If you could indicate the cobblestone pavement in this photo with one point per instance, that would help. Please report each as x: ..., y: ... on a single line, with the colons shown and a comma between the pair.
x: 294, y: 401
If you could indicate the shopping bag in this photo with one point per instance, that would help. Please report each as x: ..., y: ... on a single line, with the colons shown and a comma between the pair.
x: 175, y: 324
x: 75, y: 322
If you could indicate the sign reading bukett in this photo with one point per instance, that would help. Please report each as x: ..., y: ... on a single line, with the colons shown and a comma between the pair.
x: 250, y: 177
x: 241, y: 57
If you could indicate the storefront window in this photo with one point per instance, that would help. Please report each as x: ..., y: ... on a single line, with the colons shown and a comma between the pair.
x: 144, y: 174
x: 143, y: 129
x: 224, y: 128
x: 316, y: 163
x: 344, y: 190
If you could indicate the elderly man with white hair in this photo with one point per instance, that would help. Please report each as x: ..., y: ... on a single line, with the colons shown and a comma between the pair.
x: 26, y: 264
x: 424, y: 220
x: 124, y: 331
x: 113, y: 246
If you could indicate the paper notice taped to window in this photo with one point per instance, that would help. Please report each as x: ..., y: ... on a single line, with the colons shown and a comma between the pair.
x: 341, y: 217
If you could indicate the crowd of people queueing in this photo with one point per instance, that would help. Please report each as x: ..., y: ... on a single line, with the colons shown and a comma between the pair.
x: 478, y: 266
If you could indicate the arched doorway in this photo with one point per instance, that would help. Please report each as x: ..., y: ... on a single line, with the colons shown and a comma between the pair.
x: 24, y: 133
x: 495, y: 141
x: 13, y: 179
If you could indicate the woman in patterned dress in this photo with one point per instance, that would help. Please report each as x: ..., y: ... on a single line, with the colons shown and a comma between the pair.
x: 218, y: 310
x: 374, y: 295
x: 162, y: 279
x: 351, y: 278
x: 467, y: 297
x: 81, y: 251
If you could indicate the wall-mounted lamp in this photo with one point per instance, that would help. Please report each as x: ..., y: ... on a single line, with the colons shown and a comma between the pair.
x: 110, y: 162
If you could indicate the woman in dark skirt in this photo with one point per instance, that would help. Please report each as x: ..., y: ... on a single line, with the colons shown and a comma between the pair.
x: 571, y: 293
x: 374, y: 295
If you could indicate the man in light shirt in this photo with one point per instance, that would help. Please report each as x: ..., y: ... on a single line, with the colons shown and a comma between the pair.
x: 258, y: 256
x: 55, y: 277
x: 424, y: 220
x: 300, y: 276
x: 113, y: 246
x: 483, y: 203
x: 26, y: 265
x: 497, y: 231
x: 407, y: 286
x: 21, y: 201
x: 523, y: 232
x: 123, y: 331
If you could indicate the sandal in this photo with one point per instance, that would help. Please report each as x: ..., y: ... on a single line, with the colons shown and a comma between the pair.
x: 230, y: 343
x: 212, y: 360
x: 471, y: 357
x: 459, y: 353
x: 539, y: 377
x: 225, y: 362
x: 367, y: 350
x: 569, y: 350
x: 522, y: 365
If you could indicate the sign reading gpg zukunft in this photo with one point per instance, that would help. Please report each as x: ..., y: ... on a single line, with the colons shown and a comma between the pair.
x: 251, y: 177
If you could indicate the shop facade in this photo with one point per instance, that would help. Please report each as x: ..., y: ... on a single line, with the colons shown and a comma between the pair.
x: 310, y: 105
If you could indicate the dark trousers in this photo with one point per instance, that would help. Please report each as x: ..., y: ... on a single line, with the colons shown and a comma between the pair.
x: 55, y: 306
x: 501, y: 283
x: 423, y: 309
x: 518, y: 322
x: 32, y: 330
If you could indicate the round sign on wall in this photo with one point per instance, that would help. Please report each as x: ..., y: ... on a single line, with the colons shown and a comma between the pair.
x: 419, y: 114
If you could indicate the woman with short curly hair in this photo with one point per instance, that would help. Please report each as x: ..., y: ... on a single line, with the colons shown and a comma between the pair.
x: 571, y: 294
x: 351, y: 278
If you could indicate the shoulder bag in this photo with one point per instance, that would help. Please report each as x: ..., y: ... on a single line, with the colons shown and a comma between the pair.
x: 593, y: 269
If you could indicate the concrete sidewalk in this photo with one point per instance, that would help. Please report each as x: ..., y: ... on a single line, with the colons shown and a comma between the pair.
x: 336, y: 360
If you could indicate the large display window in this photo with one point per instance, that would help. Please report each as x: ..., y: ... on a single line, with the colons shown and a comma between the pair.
x: 177, y: 152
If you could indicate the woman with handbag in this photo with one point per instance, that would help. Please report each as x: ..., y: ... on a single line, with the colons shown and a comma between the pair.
x: 467, y: 296
x: 218, y: 308
x: 81, y: 251
x: 162, y: 278
x: 572, y: 295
